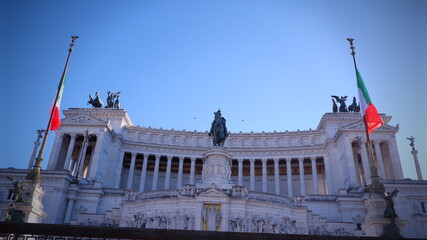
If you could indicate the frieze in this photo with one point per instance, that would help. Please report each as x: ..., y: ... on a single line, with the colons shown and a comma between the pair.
x: 239, y: 192
x: 333, y: 232
x: 188, y: 190
x: 160, y: 220
x: 262, y: 224
x: 83, y: 120
x: 235, y: 140
x: 298, y: 200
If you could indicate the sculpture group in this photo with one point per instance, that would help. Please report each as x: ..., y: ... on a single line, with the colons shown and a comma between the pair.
x: 354, y: 107
x: 112, y: 100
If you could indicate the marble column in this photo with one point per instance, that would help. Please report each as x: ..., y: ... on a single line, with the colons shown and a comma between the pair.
x: 71, y: 196
x: 289, y: 177
x: 33, y: 154
x: 380, y: 163
x: 57, y: 144
x: 192, y: 169
x: 365, y: 163
x: 328, y: 176
x: 168, y: 172
x: 156, y: 173
x: 395, y: 159
x: 143, y: 173
x: 276, y: 176
x: 70, y: 151
x: 351, y: 166
x: 180, y: 170
x: 252, y: 175
x: 131, y: 171
x: 264, y: 174
x: 301, y: 175
x: 314, y: 175
x: 240, y: 172
x: 97, y: 160
x: 82, y: 156
x: 118, y: 172
x: 417, y: 164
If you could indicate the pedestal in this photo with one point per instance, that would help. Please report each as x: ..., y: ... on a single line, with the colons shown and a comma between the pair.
x: 32, y: 207
x: 375, y: 220
x: 216, y: 169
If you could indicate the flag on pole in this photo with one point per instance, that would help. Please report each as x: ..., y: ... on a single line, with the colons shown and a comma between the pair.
x: 370, y: 114
x: 56, y: 117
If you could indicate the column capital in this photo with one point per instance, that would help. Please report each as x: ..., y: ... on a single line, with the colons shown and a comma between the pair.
x: 264, y: 160
x: 288, y: 159
x: 300, y: 159
x: 181, y: 158
x: 169, y: 157
x: 276, y: 160
x: 313, y: 158
x: 240, y: 160
x: 252, y: 160
x: 73, y: 135
x: 134, y: 154
x: 146, y: 155
x: 193, y: 159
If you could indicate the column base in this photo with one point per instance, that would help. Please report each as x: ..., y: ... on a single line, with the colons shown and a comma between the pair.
x: 32, y: 207
x: 376, y: 227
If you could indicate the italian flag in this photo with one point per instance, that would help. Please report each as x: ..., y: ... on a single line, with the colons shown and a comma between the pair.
x: 56, y: 117
x: 370, y: 114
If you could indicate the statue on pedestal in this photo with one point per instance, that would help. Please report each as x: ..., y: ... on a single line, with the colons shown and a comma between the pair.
x: 341, y: 101
x: 218, y: 129
x: 111, y: 103
x: 95, y: 102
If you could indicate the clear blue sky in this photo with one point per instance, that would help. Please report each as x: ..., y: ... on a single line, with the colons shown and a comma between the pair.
x: 273, y: 64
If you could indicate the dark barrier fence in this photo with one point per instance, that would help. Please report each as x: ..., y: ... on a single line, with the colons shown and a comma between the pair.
x: 32, y: 231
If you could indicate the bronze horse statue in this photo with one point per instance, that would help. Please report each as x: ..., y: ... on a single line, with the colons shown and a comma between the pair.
x: 95, y: 102
x: 218, y: 129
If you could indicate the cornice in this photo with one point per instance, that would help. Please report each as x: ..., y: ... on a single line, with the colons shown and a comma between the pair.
x: 102, y: 113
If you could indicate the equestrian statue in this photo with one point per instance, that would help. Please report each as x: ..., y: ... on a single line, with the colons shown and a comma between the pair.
x: 218, y: 129
x: 95, y: 102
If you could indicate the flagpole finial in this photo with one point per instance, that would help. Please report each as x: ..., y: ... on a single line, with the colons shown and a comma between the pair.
x: 351, y: 45
x: 73, y: 39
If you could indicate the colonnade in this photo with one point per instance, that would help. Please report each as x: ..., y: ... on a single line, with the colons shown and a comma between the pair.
x: 74, y: 152
x: 128, y: 181
x: 155, y: 179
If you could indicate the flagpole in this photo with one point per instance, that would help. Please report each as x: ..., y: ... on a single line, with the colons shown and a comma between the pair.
x: 376, y: 185
x: 34, y: 175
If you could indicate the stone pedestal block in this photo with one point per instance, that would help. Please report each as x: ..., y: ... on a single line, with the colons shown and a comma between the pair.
x: 216, y: 169
x: 374, y: 227
x: 32, y: 207
x: 375, y: 220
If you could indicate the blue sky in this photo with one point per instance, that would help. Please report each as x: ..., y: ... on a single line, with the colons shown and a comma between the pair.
x: 269, y: 65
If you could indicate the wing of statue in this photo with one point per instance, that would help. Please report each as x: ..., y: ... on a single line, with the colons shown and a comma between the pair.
x: 336, y: 98
x: 394, y: 193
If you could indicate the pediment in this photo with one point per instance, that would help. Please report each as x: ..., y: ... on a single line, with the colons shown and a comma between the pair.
x: 212, y: 192
x: 359, y: 125
x: 84, y: 120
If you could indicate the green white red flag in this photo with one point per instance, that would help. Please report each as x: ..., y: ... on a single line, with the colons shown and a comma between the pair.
x: 55, y: 111
x: 370, y: 114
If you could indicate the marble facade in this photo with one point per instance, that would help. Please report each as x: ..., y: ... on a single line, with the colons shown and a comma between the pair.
x: 302, y: 182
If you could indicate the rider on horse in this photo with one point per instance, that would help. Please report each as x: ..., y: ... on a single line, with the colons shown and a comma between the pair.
x: 218, y: 129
